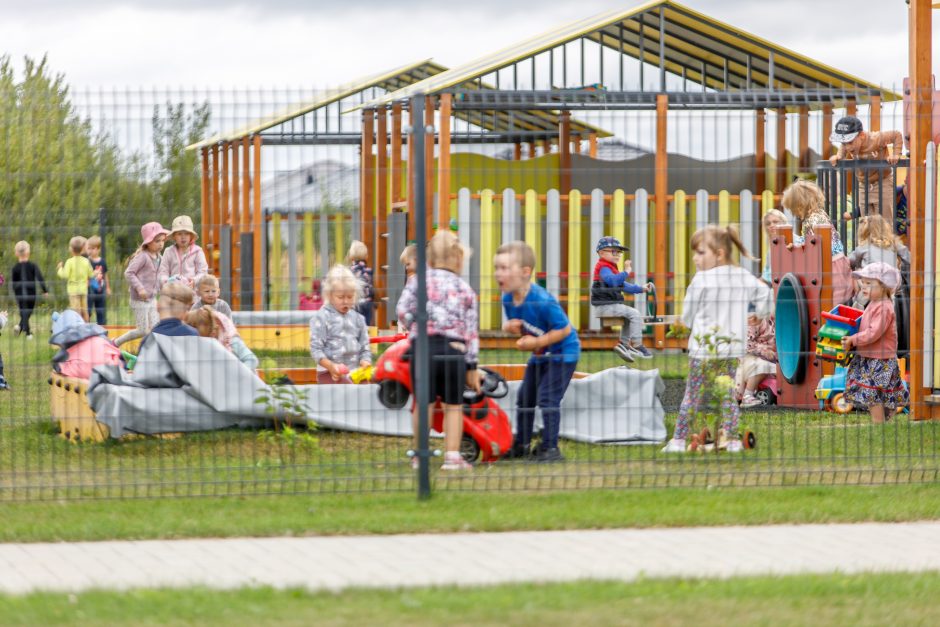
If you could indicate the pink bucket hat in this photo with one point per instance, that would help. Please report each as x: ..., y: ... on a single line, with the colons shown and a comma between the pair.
x: 880, y: 271
x: 150, y: 230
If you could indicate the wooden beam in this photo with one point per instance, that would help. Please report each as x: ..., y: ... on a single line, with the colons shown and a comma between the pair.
x: 235, y: 223
x: 546, y: 146
x: 412, y: 231
x: 206, y: 211
x: 826, y: 131
x: 380, y: 269
x: 517, y: 151
x: 564, y: 180
x: 429, y: 106
x: 760, y: 153
x: 259, y: 228
x: 246, y: 206
x: 874, y: 115
x: 592, y: 145
x: 851, y: 107
x: 531, y: 150
x: 443, y: 164
x: 781, y: 173
x: 367, y: 185
x: 216, y: 211
x: 921, y: 118
x: 804, y: 137
x: 661, y: 228
x: 225, y: 208
x: 396, y: 153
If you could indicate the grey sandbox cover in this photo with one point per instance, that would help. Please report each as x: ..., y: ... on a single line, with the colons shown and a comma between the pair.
x: 185, y: 384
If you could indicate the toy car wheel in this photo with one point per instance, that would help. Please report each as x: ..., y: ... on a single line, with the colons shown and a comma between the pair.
x: 839, y: 405
x: 749, y: 440
x: 393, y: 394
x: 469, y: 449
x: 766, y: 397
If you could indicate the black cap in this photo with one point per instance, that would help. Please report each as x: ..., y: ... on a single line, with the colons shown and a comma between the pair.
x: 846, y: 130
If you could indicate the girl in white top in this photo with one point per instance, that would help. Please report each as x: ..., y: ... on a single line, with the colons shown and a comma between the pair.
x: 716, y: 308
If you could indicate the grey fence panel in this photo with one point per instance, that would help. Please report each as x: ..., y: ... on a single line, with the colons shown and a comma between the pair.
x: 247, y: 258
x: 225, y: 263
x: 323, y: 244
x: 553, y: 243
x: 597, y: 232
x: 397, y: 240
x: 701, y: 209
x: 750, y: 231
x: 475, y: 233
x: 510, y: 221
x: 463, y: 228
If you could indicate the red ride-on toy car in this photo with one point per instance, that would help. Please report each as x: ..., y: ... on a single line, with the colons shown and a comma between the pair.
x: 487, y: 434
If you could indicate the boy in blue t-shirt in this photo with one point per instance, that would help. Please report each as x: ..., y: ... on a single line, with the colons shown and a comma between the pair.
x: 534, y: 314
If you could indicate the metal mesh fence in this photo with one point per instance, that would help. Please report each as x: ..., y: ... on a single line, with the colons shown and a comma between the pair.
x: 278, y: 199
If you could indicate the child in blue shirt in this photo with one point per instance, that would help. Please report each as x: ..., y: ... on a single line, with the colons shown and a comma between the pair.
x: 535, y: 315
x: 607, y: 289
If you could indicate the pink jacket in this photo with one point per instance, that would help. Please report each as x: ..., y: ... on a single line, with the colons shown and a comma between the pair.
x: 761, y: 340
x: 227, y: 331
x: 141, y: 274
x: 190, y: 265
x: 878, y: 336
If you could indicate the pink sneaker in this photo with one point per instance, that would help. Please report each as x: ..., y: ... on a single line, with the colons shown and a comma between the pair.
x: 453, y: 461
x: 414, y: 462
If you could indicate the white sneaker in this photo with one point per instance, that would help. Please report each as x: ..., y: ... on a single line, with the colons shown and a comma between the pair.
x: 734, y: 446
x: 674, y: 446
x: 749, y: 400
x: 29, y: 337
x: 454, y: 461
x: 16, y: 329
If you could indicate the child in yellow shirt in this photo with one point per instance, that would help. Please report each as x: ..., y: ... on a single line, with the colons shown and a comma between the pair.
x: 78, y: 271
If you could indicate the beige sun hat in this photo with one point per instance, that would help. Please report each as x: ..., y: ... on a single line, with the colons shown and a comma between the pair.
x: 183, y: 223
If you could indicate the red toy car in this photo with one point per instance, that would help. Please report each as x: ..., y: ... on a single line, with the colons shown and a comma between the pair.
x: 487, y: 434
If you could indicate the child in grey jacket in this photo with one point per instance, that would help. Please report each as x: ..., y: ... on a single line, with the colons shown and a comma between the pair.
x: 339, y: 339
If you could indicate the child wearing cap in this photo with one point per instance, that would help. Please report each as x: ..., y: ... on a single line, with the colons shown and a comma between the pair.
x: 607, y: 288
x: 141, y: 275
x: 856, y: 143
x: 185, y: 261
x: 873, y: 379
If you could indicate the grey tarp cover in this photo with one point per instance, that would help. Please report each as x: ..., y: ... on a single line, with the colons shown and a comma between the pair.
x: 193, y: 384
x: 297, y: 316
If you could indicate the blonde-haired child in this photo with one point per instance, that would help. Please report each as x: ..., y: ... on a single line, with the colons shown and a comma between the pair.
x: 213, y: 323
x: 172, y: 306
x: 141, y: 275
x: 806, y: 201
x: 873, y: 379
x: 100, y: 287
x: 453, y: 338
x: 409, y: 261
x: 185, y: 261
x: 358, y: 262
x: 877, y: 242
x: 207, y: 293
x: 770, y: 221
x: 716, y: 305
x: 77, y: 271
x: 24, y: 277
x: 339, y: 339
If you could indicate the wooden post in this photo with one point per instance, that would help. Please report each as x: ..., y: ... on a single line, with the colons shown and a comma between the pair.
x: 396, y: 152
x: 226, y: 198
x: 216, y: 212
x: 760, y: 153
x: 662, y: 214
x: 921, y: 119
x: 564, y: 165
x: 259, y: 228
x: 443, y: 164
x: 246, y: 185
x: 517, y: 151
x: 412, y: 231
x: 804, y: 137
x: 874, y: 115
x: 381, y: 241
x: 826, y: 131
x: 546, y: 146
x: 531, y: 150
x: 592, y: 145
x: 367, y: 186
x: 206, y: 210
x: 429, y: 160
x: 781, y: 174
x: 576, y: 145
x: 235, y: 223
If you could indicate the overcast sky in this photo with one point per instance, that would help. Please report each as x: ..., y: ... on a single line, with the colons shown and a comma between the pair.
x: 317, y: 43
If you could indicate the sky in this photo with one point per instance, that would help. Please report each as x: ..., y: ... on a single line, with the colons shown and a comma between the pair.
x: 320, y: 43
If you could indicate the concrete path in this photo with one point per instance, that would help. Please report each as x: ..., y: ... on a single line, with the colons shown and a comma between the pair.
x: 334, y: 563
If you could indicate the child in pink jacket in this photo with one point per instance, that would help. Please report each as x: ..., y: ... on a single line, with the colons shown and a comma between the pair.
x: 184, y: 261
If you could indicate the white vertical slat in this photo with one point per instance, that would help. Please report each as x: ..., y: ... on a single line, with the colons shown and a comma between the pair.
x: 597, y: 232
x: 463, y: 226
x: 701, y: 209
x: 553, y: 243
x: 510, y: 217
x: 750, y: 231
x: 930, y: 208
x: 639, y: 250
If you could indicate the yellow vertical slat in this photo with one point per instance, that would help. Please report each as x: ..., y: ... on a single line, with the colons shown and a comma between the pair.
x: 339, y: 239
x: 680, y: 249
x: 766, y: 204
x: 575, y: 235
x: 276, y: 262
x: 310, y: 253
x: 724, y: 208
x: 489, y: 241
x: 533, y: 227
x: 618, y: 217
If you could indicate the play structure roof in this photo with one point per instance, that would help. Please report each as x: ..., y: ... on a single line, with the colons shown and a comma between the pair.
x: 678, y: 40
x: 540, y: 122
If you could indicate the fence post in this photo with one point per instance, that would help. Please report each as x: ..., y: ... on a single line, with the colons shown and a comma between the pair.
x: 930, y: 206
x: 553, y: 243
x: 102, y: 229
x: 597, y: 232
x: 510, y: 216
x: 463, y: 226
x: 639, y: 247
x: 701, y: 209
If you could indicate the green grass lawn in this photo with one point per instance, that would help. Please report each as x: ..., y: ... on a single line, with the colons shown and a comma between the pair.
x: 877, y: 599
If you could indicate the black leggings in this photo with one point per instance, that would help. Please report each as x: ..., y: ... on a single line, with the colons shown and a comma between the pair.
x: 446, y: 370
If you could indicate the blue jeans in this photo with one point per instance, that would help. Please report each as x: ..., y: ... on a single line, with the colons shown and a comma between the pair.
x: 543, y: 386
x: 96, y: 305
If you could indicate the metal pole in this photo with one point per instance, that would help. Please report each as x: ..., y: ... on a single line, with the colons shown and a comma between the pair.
x: 420, y: 354
x: 102, y: 225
